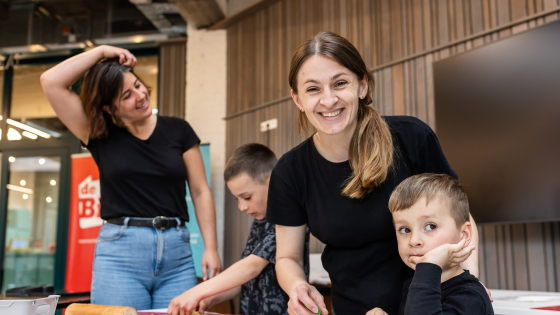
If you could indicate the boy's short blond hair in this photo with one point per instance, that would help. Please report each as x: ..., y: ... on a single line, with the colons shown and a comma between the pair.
x: 430, y: 186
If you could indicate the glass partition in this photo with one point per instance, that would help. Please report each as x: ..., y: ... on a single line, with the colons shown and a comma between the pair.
x: 31, y: 221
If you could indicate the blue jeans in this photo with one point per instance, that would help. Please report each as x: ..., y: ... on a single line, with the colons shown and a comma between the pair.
x: 141, y: 267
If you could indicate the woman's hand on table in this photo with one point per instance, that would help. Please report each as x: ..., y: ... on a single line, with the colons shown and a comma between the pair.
x: 376, y: 311
x: 305, y: 299
x: 185, y: 303
x: 210, y: 264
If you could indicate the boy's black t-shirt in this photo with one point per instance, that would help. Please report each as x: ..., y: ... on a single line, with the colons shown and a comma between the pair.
x: 144, y: 178
x: 425, y: 294
x: 263, y: 295
x: 361, y: 254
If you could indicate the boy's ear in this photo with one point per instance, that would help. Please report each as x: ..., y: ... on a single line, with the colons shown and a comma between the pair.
x: 466, y: 233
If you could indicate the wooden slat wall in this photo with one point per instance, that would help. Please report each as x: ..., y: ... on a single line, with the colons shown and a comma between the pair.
x: 399, y: 40
x: 172, y: 77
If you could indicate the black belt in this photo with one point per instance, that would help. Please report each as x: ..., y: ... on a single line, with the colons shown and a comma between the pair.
x: 160, y: 223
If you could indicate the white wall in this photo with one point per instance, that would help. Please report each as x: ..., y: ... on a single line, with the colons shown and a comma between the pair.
x: 206, y: 107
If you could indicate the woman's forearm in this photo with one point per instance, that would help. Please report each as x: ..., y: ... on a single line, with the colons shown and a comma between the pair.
x: 66, y: 73
x: 290, y: 274
x: 206, y: 218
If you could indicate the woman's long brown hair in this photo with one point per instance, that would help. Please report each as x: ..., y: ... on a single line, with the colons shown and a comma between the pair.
x: 371, y: 148
x: 101, y: 87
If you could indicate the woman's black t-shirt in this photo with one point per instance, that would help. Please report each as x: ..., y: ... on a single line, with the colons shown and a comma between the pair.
x: 361, y: 255
x: 144, y: 178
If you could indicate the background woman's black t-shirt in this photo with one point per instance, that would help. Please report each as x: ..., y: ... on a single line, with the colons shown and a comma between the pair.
x: 144, y: 178
x: 361, y: 255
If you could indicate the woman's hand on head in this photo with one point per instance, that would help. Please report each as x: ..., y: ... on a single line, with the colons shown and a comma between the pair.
x: 376, y: 311
x: 305, y: 299
x: 125, y: 57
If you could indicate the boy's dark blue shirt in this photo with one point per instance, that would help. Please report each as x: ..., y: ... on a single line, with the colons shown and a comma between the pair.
x: 425, y: 294
x: 263, y: 295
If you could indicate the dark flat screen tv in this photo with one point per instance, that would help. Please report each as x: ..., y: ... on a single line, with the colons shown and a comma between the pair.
x: 498, y: 122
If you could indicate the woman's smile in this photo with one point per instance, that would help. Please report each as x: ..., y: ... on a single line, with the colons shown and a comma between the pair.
x: 332, y: 114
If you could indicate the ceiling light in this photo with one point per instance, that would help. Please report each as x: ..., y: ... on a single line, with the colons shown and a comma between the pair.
x: 1, y: 117
x: 25, y: 196
x: 53, y: 182
x: 29, y: 135
x: 22, y: 182
x: 42, y: 161
x: 20, y: 189
x: 12, y: 159
x: 26, y: 127
x: 49, y: 199
x: 13, y: 134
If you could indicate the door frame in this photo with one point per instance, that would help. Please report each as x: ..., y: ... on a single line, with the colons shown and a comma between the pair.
x: 64, y: 153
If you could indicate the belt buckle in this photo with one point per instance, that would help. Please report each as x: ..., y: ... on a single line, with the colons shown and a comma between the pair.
x: 155, y: 223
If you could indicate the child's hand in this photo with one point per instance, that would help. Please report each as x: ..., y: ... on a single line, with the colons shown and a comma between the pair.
x: 376, y: 311
x: 184, y: 303
x: 446, y: 255
x: 205, y: 304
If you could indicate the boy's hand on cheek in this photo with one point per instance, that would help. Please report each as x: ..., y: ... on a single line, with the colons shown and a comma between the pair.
x: 376, y: 311
x: 446, y: 255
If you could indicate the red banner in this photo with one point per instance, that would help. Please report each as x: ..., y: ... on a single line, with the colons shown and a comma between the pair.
x: 85, y: 223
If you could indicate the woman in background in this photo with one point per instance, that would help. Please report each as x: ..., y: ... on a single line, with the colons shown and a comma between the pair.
x: 143, y: 257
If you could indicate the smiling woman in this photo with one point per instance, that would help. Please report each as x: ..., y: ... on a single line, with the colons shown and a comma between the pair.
x: 339, y: 180
x: 144, y: 161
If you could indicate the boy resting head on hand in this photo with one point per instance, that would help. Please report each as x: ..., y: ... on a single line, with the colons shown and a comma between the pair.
x: 431, y: 217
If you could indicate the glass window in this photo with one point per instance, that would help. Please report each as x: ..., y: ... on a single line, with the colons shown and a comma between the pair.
x: 147, y: 70
x: 31, y: 221
x: 30, y: 105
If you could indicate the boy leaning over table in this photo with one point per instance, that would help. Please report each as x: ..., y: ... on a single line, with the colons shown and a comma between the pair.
x: 431, y: 217
x: 247, y: 175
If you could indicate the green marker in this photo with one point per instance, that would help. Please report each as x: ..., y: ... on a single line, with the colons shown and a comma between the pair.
x: 319, y: 312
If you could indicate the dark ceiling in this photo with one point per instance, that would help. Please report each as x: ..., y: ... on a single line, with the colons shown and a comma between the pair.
x: 25, y: 22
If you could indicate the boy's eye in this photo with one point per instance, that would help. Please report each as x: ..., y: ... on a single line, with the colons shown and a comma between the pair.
x: 430, y: 226
x: 312, y: 89
x: 404, y: 230
x: 247, y: 198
